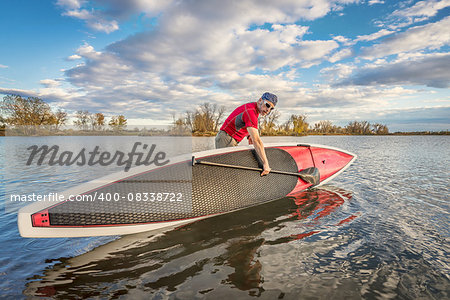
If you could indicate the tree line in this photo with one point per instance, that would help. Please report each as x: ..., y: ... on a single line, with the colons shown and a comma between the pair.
x: 32, y: 111
x: 207, y: 118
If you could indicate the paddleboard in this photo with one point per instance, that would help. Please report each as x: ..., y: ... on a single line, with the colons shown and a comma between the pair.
x: 159, y: 198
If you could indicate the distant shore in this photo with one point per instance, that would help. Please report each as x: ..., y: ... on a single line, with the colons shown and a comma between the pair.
x: 199, y: 134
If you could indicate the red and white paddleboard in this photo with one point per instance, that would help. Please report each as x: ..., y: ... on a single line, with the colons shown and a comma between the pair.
x: 161, y: 198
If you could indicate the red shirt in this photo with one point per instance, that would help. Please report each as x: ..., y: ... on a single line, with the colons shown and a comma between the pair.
x: 242, y: 117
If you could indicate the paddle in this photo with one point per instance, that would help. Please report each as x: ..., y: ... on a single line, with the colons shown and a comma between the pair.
x: 310, y: 175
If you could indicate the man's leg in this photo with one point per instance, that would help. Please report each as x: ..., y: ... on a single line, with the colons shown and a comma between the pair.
x: 224, y: 140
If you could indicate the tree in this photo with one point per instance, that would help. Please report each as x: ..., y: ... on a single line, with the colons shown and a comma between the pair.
x: 285, y: 128
x: 378, y: 128
x: 205, y: 119
x: 300, y: 126
x: 60, y: 119
x: 100, y: 118
x: 82, y: 119
x: 20, y: 111
x: 323, y: 127
x: 97, y: 121
x: 327, y: 127
x: 179, y: 126
x: 356, y: 127
x: 268, y: 124
x: 118, y: 123
x: 218, y: 117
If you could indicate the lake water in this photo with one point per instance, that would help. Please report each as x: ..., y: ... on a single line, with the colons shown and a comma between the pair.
x: 380, y: 230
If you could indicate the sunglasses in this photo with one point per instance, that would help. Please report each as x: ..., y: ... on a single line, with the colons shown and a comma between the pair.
x: 270, y: 107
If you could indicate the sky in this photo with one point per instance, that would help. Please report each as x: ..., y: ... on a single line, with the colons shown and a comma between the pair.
x: 340, y: 60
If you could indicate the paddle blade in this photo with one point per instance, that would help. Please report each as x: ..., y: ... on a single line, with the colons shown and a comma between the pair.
x: 310, y: 175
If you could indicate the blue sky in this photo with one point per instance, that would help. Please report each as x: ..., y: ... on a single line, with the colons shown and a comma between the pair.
x: 342, y: 60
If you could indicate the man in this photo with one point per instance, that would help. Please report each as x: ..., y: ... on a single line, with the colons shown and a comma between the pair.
x: 242, y: 122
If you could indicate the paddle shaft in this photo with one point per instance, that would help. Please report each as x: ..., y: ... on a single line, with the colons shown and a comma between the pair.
x: 245, y: 168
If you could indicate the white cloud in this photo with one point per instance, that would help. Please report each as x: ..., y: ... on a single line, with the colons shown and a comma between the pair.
x: 337, y: 72
x: 3, y: 66
x: 430, y: 36
x: 373, y: 2
x: 341, y: 39
x: 105, y: 15
x: 50, y: 83
x: 427, y: 9
x: 290, y: 34
x: 374, y: 36
x: 419, y: 12
x: 64, y: 97
x: 342, y: 54
x: 74, y: 57
x: 86, y: 51
x: 105, y: 26
x: 93, y: 20
x: 22, y: 92
x: 70, y: 4
x: 82, y: 14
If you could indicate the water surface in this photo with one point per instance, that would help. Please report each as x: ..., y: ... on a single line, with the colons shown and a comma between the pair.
x: 379, y: 230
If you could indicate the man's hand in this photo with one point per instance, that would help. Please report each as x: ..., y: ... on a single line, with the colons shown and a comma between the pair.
x: 266, y: 170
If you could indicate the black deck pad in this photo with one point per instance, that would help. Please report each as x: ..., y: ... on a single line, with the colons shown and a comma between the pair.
x: 210, y: 190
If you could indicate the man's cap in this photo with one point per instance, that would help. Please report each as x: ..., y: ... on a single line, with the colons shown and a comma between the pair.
x: 270, y: 97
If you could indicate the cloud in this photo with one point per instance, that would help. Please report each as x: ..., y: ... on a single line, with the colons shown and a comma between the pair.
x: 202, y: 52
x: 374, y: 36
x: 105, y: 15
x: 417, y: 114
x: 431, y: 36
x: 70, y: 4
x: 415, y: 118
x: 24, y: 93
x: 94, y: 21
x: 342, y: 39
x: 102, y: 25
x: 342, y: 54
x: 376, y: 106
x: 88, y: 52
x: 347, y: 103
x: 420, y: 11
x: 3, y: 66
x: 52, y: 92
x: 49, y: 83
x: 337, y: 72
x: 373, y: 2
x: 432, y: 70
x: 74, y: 57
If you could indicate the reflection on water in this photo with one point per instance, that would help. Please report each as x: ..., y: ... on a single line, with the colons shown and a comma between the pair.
x: 221, y: 252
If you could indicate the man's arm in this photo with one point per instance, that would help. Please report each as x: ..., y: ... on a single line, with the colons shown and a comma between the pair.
x: 259, y: 147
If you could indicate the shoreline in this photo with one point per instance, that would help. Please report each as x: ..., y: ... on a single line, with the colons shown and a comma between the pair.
x: 134, y: 133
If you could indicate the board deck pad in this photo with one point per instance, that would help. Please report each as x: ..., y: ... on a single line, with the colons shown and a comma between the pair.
x: 212, y: 190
